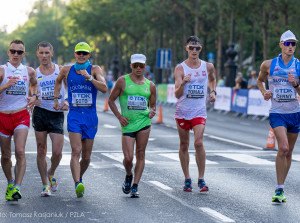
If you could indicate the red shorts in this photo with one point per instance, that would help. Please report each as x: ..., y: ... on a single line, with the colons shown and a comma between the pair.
x: 189, y: 124
x: 10, y: 122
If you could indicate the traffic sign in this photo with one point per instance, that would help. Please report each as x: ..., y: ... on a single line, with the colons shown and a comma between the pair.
x: 163, y: 58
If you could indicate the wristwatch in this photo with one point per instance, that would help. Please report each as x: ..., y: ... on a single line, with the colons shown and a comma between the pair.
x: 91, y: 78
x: 296, y: 86
x: 214, y: 91
x: 36, y: 96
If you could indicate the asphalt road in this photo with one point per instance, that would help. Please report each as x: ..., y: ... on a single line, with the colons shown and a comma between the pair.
x: 239, y: 173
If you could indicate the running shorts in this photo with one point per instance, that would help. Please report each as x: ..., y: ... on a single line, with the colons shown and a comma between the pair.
x: 290, y: 121
x: 84, y: 123
x: 45, y: 120
x: 189, y: 124
x: 133, y: 134
x: 11, y: 122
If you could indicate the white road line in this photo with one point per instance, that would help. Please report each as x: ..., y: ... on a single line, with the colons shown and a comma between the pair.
x: 119, y: 166
x: 109, y: 126
x: 161, y: 185
x: 246, y: 159
x: 119, y: 157
x: 216, y: 214
x: 13, y: 160
x: 151, y: 139
x: 65, y: 160
x: 175, y: 156
x: 66, y: 138
x: 183, y: 203
x: 232, y: 141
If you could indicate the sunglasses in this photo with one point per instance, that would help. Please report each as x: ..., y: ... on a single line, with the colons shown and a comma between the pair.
x: 136, y: 65
x: 82, y: 53
x: 19, y: 52
x: 289, y: 43
x: 197, y: 48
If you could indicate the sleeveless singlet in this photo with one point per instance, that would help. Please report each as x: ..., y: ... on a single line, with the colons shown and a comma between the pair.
x: 284, y: 99
x: 46, y: 89
x: 14, y: 97
x: 192, y: 103
x: 82, y: 94
x: 134, y: 103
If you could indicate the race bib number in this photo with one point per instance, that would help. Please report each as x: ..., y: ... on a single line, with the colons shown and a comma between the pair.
x: 195, y: 91
x: 47, y: 93
x: 284, y: 94
x: 82, y: 100
x: 136, y: 102
x: 18, y: 89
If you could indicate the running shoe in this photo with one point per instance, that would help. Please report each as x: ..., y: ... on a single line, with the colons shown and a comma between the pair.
x: 126, y: 187
x: 16, y: 194
x: 8, y: 194
x: 52, y: 182
x: 188, y: 185
x: 279, y: 196
x: 134, y: 191
x: 46, y: 191
x: 202, y: 186
x: 79, y: 190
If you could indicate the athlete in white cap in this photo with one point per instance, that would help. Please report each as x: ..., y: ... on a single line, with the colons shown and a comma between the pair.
x: 283, y: 76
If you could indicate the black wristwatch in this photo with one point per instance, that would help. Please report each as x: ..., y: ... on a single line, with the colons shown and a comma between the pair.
x: 214, y: 91
x: 296, y: 86
x: 36, y: 96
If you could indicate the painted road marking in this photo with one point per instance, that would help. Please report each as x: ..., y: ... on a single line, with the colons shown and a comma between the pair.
x: 161, y: 185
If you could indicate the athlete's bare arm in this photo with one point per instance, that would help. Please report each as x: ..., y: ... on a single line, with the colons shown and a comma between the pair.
x: 263, y: 74
x: 99, y: 80
x: 152, y: 100
x: 115, y: 93
x: 33, y: 88
x: 10, y: 83
x: 63, y: 74
x: 211, y: 81
x: 180, y: 81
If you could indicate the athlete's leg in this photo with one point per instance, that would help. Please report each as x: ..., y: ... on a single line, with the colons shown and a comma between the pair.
x: 282, y: 165
x: 292, y: 138
x: 184, y: 136
x: 76, y: 145
x: 41, y: 142
x: 128, y: 150
x: 5, y: 144
x: 57, y: 145
x: 199, y: 148
x: 141, y: 144
x: 20, y: 137
x: 87, y: 147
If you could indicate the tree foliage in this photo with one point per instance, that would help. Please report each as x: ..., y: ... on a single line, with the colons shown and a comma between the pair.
x: 116, y: 29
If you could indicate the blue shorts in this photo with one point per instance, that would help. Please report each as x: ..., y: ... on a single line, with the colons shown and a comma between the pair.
x: 86, y: 124
x: 290, y: 121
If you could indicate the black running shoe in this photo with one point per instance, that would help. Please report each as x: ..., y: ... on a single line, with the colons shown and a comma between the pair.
x: 134, y: 191
x: 126, y: 187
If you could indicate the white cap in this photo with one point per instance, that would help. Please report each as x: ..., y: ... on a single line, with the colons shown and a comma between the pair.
x: 138, y: 58
x: 288, y: 35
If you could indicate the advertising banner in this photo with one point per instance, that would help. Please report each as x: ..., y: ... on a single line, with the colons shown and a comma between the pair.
x: 239, y: 101
x: 223, y: 99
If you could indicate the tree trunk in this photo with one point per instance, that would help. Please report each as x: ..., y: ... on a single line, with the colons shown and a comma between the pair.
x: 253, y: 51
x: 220, y: 45
x: 183, y: 35
x: 241, y: 41
x: 265, y: 37
x: 196, y: 27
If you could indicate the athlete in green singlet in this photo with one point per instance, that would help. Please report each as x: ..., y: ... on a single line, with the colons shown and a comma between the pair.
x: 137, y: 96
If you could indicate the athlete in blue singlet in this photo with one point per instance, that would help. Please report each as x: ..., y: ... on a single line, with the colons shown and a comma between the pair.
x: 283, y: 76
x: 84, y: 80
